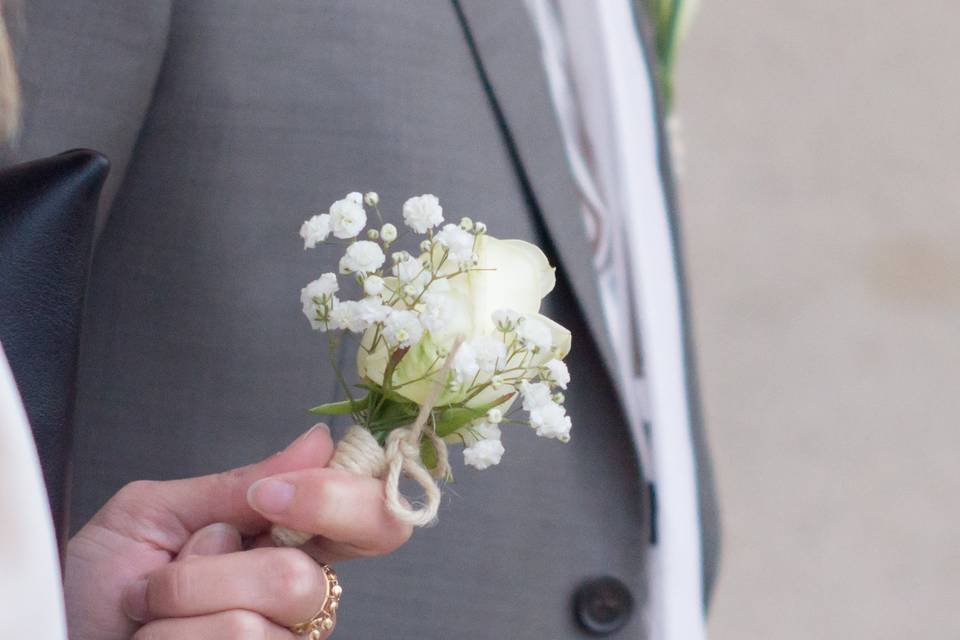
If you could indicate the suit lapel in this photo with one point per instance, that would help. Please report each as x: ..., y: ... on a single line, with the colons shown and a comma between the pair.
x: 506, y: 50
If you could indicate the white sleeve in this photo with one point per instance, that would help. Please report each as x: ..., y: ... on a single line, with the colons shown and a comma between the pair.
x: 31, y: 595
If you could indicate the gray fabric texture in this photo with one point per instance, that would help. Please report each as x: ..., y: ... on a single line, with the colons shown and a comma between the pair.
x: 229, y: 123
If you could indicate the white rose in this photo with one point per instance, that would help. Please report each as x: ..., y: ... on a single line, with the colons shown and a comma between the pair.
x: 422, y: 212
x: 362, y: 257
x: 315, y: 230
x: 512, y: 274
x: 347, y: 218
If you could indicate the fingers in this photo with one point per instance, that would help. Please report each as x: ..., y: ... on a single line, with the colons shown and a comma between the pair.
x: 212, y: 540
x: 283, y: 585
x: 165, y: 513
x: 342, y: 507
x: 235, y: 625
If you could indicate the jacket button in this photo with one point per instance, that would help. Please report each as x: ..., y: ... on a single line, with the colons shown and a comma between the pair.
x: 603, y: 605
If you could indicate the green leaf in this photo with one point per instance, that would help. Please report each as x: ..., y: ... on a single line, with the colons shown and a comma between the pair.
x: 342, y: 408
x: 394, y: 414
x: 428, y: 454
x: 452, y: 418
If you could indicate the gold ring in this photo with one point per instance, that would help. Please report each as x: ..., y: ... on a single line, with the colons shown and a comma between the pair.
x: 322, y: 620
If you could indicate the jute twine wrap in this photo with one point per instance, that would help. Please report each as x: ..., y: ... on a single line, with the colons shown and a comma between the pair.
x: 360, y: 453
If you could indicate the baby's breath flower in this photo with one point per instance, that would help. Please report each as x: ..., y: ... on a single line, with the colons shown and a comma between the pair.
x: 371, y: 311
x: 373, y: 234
x: 535, y: 395
x: 435, y: 311
x: 480, y: 228
x: 317, y: 298
x: 422, y: 213
x: 559, y: 398
x: 315, y: 230
x: 466, y: 223
x: 411, y: 274
x: 465, y: 365
x: 371, y: 198
x: 483, y: 454
x: 505, y: 319
x: 373, y: 285
x: 459, y: 243
x: 495, y: 416
x: 347, y: 218
x: 388, y: 232
x: 489, y: 351
x: 362, y: 257
x: 425, y: 246
x: 557, y: 373
x: 355, y: 197
x: 534, y: 334
x: 344, y: 315
x: 440, y: 286
x: 551, y: 421
x: 497, y: 381
x: 402, y: 329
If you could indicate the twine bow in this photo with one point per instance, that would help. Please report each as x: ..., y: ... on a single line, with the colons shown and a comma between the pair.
x: 360, y: 453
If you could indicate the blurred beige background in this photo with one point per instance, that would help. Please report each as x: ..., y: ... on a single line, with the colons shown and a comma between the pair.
x: 822, y: 224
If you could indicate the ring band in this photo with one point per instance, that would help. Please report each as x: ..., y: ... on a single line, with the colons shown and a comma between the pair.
x: 322, y: 620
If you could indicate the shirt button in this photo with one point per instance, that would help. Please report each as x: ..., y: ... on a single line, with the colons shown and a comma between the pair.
x: 603, y: 605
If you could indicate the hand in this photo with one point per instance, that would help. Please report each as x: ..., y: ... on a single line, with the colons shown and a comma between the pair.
x: 143, y: 529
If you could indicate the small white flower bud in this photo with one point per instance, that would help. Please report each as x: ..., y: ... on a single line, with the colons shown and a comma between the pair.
x: 495, y: 416
x: 466, y: 223
x: 558, y: 397
x: 399, y: 256
x: 388, y: 232
x: 425, y: 246
x: 371, y: 198
x: 479, y: 227
x: 373, y: 234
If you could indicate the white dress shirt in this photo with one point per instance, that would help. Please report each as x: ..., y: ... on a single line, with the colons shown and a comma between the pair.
x: 600, y: 84
x: 31, y: 600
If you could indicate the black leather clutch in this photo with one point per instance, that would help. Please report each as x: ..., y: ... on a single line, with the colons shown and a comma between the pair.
x: 47, y: 211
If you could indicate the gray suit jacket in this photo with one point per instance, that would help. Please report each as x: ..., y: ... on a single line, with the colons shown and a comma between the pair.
x: 228, y: 122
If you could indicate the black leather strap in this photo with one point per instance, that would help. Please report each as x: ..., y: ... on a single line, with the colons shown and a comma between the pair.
x: 47, y: 210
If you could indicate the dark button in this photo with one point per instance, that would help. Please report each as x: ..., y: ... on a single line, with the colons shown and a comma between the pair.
x: 603, y: 605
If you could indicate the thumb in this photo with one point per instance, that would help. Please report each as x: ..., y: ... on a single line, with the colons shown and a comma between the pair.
x: 168, y: 512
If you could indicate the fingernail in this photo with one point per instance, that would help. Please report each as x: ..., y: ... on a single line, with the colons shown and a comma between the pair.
x: 309, y: 432
x: 135, y: 601
x: 212, y: 540
x: 270, y: 496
